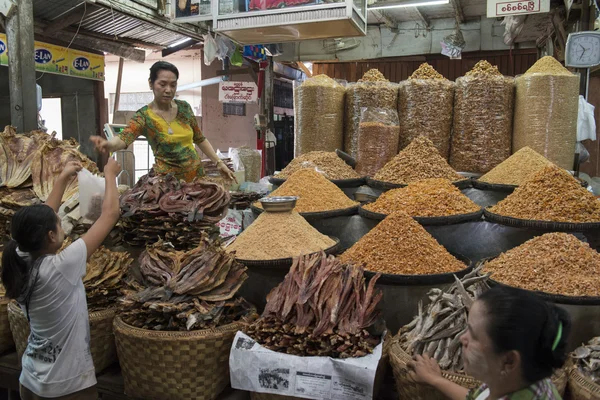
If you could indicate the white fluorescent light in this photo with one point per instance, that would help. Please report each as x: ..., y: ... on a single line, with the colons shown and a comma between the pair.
x: 204, y: 82
x: 182, y: 41
x: 412, y: 4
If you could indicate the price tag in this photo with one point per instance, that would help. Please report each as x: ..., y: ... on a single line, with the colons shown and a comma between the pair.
x: 502, y: 8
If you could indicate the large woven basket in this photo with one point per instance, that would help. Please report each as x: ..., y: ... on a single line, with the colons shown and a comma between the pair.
x: 102, y: 340
x: 581, y: 387
x: 379, y: 377
x: 6, y: 339
x: 173, y: 365
x: 409, y: 389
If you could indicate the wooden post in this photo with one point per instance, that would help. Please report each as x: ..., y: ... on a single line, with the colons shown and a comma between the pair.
x: 118, y: 89
x: 21, y: 67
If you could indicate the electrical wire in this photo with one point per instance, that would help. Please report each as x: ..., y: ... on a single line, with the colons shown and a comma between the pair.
x: 73, y: 38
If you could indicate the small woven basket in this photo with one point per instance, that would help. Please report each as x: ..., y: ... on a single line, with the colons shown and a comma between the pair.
x: 409, y: 389
x: 6, y: 339
x: 174, y: 365
x: 379, y: 377
x: 102, y: 340
x: 581, y: 387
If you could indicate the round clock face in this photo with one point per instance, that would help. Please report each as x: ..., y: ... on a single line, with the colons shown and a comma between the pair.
x: 583, y: 50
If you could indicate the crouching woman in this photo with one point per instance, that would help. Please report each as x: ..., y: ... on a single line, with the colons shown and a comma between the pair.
x: 48, y: 286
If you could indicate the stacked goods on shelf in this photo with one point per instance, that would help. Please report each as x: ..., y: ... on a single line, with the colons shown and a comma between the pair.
x: 315, y: 193
x: 181, y: 303
x: 419, y: 160
x: 322, y: 308
x: 103, y: 283
x: 483, y: 112
x: 517, y: 169
x: 584, y: 380
x: 553, y: 195
x: 276, y: 236
x: 401, y: 246
x: 546, y: 106
x: 164, y: 207
x: 318, y: 115
x: 373, y: 90
x: 327, y: 163
x: 425, y: 105
x: 554, y: 263
x: 427, y: 198
x: 378, y: 135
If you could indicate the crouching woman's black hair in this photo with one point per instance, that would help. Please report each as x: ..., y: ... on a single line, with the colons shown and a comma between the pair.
x: 522, y: 321
x: 29, y: 231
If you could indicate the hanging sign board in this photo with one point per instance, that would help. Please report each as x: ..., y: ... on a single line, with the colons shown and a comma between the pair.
x: 503, y: 8
x: 59, y: 60
x: 191, y: 10
x: 238, y: 92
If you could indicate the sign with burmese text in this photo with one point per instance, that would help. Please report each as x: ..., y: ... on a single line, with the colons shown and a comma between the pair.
x: 503, y: 8
x: 238, y: 92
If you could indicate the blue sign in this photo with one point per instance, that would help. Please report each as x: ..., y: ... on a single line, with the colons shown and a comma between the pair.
x: 43, y: 56
x: 81, y: 64
x: 2, y: 47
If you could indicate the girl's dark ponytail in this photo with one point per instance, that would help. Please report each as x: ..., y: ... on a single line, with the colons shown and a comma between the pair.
x: 14, y: 270
x: 29, y: 229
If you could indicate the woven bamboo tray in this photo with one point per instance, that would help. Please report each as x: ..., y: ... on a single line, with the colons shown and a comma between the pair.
x: 581, y: 387
x: 541, y: 225
x: 159, y: 365
x: 102, y: 341
x: 409, y: 389
x: 445, y: 220
x: 6, y: 339
x: 379, y: 377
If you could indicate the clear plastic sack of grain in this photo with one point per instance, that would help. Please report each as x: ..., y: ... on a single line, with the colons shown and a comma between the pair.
x: 378, y: 135
x: 372, y: 91
x: 425, y: 106
x: 251, y: 162
x: 318, y: 115
x: 545, y: 117
x: 483, y: 113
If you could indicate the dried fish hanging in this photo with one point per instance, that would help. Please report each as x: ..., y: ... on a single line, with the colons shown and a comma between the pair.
x: 587, y: 359
x: 185, y: 290
x: 436, y: 330
x: 163, y: 207
x: 322, y: 308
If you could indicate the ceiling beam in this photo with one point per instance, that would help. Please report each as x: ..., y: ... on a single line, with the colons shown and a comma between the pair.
x: 69, y: 18
x: 152, y: 16
x: 389, y: 21
x: 424, y: 18
x: 174, y: 49
x: 460, y: 15
x: 120, y: 49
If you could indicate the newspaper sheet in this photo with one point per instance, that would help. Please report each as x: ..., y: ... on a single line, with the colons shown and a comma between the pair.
x: 257, y: 369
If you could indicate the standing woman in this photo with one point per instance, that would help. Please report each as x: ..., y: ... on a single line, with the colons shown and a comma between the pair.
x: 170, y: 127
x: 57, y: 363
x: 513, y: 343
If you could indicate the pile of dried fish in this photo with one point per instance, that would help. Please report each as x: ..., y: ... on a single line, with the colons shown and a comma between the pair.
x: 16, y: 156
x: 185, y: 290
x: 164, y: 207
x: 104, y: 278
x: 242, y: 200
x: 437, y: 329
x: 587, y: 358
x: 322, y: 308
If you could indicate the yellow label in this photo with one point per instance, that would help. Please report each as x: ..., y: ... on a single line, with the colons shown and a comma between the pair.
x: 3, y: 50
x: 52, y: 59
x: 86, y: 65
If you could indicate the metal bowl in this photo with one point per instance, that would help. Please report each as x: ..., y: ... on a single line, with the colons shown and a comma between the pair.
x: 278, y: 203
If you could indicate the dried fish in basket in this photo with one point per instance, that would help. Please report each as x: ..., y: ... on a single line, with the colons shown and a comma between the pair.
x: 179, y: 212
x: 436, y: 332
x: 586, y: 360
x: 180, y: 303
x: 322, y: 308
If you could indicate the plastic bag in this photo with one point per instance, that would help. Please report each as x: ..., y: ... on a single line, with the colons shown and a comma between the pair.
x: 378, y: 135
x: 236, y: 58
x: 231, y: 225
x: 91, y: 194
x: 586, y: 124
x: 210, y: 49
x: 379, y: 94
x: 319, y: 115
x: 545, y: 116
x: 251, y: 159
x: 483, y: 114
